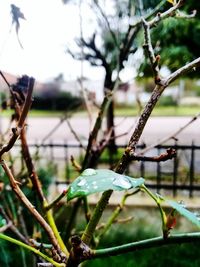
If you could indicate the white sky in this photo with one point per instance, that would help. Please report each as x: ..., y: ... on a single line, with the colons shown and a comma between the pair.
x: 48, y: 28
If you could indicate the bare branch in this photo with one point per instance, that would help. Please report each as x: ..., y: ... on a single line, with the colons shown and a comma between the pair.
x: 107, y: 22
x: 74, y: 133
x: 181, y: 71
x: 16, y: 131
x: 169, y: 154
x: 29, y: 206
x: 169, y: 13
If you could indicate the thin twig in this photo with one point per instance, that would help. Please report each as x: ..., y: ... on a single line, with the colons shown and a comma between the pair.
x: 55, y: 202
x: 74, y: 133
x: 75, y: 164
x: 169, y: 154
x: 5, y: 227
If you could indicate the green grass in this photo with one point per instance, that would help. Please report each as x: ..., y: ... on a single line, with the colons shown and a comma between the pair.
x: 120, y: 111
x: 161, y: 111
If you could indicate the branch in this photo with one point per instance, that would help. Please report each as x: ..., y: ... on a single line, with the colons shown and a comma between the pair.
x: 55, y: 202
x: 16, y: 131
x: 169, y: 154
x: 105, y: 17
x: 169, y: 13
x: 116, y: 213
x: 13, y: 228
x: 181, y: 71
x: 144, y: 244
x: 36, y: 251
x: 75, y: 134
x: 29, y: 206
x: 154, y: 60
x: 130, y: 149
x: 93, y: 135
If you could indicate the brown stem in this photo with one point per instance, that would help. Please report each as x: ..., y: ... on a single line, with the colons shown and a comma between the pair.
x: 16, y: 131
x: 29, y: 206
x: 169, y: 154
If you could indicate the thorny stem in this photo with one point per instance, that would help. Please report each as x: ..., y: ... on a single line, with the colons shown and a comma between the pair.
x: 34, y: 250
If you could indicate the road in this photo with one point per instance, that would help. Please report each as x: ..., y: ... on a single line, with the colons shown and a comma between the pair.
x: 157, y: 128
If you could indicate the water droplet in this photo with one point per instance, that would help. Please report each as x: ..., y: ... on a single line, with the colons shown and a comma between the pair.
x: 159, y: 196
x: 122, y: 182
x: 82, y: 182
x: 197, y: 214
x: 95, y: 187
x: 88, y: 172
x: 182, y: 203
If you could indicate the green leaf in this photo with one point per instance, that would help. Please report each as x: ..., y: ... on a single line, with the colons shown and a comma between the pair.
x: 92, y: 181
x: 183, y: 211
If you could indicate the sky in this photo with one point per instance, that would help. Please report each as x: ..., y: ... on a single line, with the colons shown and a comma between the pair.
x: 48, y: 29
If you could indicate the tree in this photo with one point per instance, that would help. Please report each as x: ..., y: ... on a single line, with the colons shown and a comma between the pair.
x: 118, y: 43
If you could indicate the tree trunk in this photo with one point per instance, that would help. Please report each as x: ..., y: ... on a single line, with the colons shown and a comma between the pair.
x: 108, y: 85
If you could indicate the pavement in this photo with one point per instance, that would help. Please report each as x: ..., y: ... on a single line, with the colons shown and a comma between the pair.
x: 156, y: 129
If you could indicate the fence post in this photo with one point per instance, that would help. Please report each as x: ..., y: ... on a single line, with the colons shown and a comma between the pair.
x: 175, y: 172
x: 142, y: 164
x: 192, y: 170
x: 67, y: 168
x: 158, y: 178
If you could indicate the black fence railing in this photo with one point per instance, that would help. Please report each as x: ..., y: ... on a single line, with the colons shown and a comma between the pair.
x: 180, y: 175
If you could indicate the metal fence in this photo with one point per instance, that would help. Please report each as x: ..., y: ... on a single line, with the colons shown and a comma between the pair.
x: 180, y: 175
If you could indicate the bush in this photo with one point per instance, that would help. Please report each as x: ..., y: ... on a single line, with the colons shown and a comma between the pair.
x: 60, y: 102
x: 167, y: 101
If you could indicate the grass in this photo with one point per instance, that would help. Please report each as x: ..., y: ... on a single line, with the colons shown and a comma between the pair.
x: 161, y: 111
x: 127, y: 111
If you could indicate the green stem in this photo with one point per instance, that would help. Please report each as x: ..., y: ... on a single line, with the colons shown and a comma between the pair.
x: 157, y: 200
x: 54, y: 228
x: 91, y: 226
x: 37, y: 252
x: 144, y: 244
x: 55, y: 201
x: 113, y: 216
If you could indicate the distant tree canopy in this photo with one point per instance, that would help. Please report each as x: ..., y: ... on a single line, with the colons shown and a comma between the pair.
x: 176, y: 40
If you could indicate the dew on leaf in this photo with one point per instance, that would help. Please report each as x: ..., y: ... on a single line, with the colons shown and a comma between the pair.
x: 182, y: 204
x: 122, y: 182
x: 88, y: 172
x: 82, y: 182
